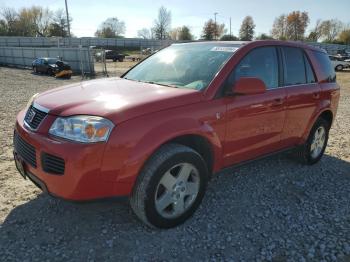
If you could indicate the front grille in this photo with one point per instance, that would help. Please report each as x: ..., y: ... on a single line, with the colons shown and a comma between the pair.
x: 34, y: 117
x: 24, y: 150
x: 52, y: 164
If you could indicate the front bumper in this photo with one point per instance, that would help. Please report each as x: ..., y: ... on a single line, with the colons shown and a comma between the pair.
x: 82, y: 178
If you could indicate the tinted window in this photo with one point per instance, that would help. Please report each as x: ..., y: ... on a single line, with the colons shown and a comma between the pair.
x: 261, y: 63
x: 310, y: 76
x: 327, y: 73
x: 294, y: 70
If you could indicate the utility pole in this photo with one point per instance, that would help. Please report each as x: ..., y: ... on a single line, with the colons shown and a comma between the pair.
x: 216, y: 27
x: 67, y: 18
x: 230, y: 28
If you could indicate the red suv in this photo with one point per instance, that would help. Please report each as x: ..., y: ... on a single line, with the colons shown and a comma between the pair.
x: 158, y: 133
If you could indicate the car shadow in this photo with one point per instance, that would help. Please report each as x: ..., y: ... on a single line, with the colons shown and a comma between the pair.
x: 266, y: 207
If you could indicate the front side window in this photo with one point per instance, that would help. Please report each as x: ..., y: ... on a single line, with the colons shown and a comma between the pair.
x: 294, y: 69
x: 261, y: 63
x: 191, y: 66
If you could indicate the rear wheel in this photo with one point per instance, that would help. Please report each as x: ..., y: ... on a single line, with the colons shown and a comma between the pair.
x: 49, y: 72
x: 339, y: 68
x: 170, y: 187
x: 312, y: 151
x: 121, y: 59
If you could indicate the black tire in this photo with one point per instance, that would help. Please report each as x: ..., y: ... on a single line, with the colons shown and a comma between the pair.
x: 143, y: 198
x: 121, y: 59
x: 35, y: 69
x: 49, y: 72
x: 114, y: 59
x: 305, y: 152
x: 339, y: 68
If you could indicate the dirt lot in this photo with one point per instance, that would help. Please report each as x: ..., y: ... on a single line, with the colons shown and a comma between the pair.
x: 274, y: 209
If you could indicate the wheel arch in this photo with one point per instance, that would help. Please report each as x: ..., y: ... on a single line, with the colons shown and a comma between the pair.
x: 326, y: 114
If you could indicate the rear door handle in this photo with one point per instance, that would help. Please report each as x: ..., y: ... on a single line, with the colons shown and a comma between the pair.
x: 316, y: 95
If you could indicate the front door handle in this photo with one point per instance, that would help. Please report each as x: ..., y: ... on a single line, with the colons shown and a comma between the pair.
x: 277, y: 102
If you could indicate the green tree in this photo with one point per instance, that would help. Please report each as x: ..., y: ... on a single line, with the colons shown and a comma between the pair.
x: 297, y: 23
x: 264, y: 37
x: 59, y: 26
x: 212, y: 31
x: 246, y: 32
x: 185, y: 33
x: 229, y: 38
x: 344, y: 37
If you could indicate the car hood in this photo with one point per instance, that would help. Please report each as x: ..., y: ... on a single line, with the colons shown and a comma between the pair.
x: 114, y: 98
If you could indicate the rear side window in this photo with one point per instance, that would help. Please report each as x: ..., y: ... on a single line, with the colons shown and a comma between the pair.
x: 261, y: 63
x: 294, y: 69
x: 310, y: 76
x: 327, y: 73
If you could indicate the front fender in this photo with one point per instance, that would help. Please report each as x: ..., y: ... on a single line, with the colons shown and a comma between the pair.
x: 163, y: 133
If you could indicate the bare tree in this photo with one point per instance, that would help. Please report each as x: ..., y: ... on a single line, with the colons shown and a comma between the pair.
x: 162, y: 23
x: 246, y: 32
x: 291, y: 26
x: 112, y: 27
x: 279, y: 28
x: 330, y: 29
x: 10, y: 16
x: 59, y: 26
x: 144, y: 33
x: 316, y: 32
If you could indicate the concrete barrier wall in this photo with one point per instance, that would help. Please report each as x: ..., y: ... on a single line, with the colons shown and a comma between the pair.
x: 80, y: 59
x: 83, y: 41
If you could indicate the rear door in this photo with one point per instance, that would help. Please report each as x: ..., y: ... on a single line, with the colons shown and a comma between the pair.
x: 303, y: 94
x: 254, y: 123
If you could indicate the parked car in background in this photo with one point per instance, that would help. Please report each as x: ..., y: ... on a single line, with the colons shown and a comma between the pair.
x: 45, y: 65
x: 159, y: 132
x: 338, y: 64
x: 110, y: 55
x: 52, y: 67
x: 114, y: 55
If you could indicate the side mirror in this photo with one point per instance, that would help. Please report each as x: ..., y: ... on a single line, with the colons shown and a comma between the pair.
x: 249, y: 86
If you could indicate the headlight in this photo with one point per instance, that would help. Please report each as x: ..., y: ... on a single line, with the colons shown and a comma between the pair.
x: 85, y: 129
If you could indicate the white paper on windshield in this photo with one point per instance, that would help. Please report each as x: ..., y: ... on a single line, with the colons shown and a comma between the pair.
x: 224, y: 49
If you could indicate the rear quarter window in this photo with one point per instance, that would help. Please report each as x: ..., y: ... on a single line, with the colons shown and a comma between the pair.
x: 327, y: 73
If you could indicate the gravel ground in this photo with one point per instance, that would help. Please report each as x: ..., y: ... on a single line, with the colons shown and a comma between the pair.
x: 273, y: 209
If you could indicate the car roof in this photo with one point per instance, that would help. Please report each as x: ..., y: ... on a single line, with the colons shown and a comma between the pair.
x: 258, y: 43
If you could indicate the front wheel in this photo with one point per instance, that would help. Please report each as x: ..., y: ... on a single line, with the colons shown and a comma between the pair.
x: 170, y: 187
x: 312, y: 151
x: 339, y: 68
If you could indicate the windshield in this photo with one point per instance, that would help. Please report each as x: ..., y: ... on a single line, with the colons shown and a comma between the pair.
x: 190, y: 66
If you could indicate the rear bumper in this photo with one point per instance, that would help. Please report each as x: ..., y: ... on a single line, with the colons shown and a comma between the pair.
x: 82, y: 178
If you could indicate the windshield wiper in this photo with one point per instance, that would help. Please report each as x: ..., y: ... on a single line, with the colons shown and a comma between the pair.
x: 155, y: 83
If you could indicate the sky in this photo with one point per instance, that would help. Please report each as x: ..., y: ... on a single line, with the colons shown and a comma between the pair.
x: 88, y: 15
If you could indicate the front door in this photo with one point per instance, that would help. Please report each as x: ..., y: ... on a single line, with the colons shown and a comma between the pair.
x: 254, y: 123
